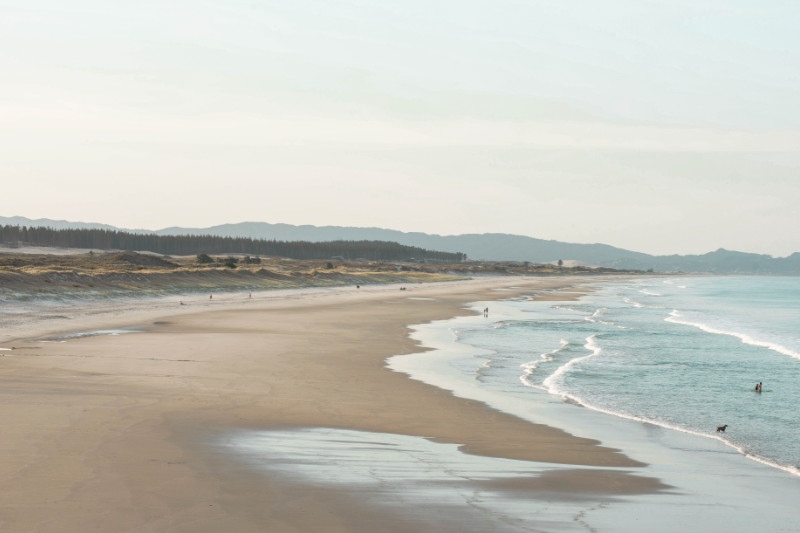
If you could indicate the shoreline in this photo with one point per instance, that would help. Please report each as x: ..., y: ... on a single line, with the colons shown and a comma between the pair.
x: 118, y: 425
x: 731, y: 488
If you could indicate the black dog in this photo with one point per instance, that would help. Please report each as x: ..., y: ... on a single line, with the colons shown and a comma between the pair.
x: 722, y: 428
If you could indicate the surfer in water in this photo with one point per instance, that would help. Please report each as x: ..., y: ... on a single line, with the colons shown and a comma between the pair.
x: 758, y: 387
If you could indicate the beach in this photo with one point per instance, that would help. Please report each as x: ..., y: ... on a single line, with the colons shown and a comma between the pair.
x: 337, y: 409
x: 121, y: 428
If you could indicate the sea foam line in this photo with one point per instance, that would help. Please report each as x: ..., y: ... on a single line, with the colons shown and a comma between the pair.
x: 530, y: 368
x: 595, y: 317
x: 739, y: 449
x: 591, y: 344
x: 675, y: 317
x: 632, y: 302
x: 649, y: 293
x: 550, y: 384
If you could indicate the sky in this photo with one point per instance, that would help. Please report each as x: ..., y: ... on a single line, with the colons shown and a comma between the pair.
x: 657, y: 126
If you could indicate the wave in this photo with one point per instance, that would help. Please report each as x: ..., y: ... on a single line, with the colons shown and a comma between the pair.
x: 649, y: 293
x: 567, y: 308
x: 530, y: 368
x: 551, y: 384
x: 675, y: 317
x: 632, y: 302
x: 81, y: 334
x: 480, y: 372
x: 573, y: 398
x: 595, y: 317
x: 554, y: 385
x: 639, y: 305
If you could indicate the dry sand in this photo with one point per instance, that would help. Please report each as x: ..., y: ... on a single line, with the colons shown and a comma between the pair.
x: 114, y: 433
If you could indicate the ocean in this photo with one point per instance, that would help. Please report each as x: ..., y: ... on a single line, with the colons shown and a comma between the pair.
x: 682, y: 353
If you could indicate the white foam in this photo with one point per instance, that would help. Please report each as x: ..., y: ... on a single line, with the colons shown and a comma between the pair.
x: 555, y: 379
x: 530, y: 368
x: 649, y: 293
x: 675, y: 317
x: 595, y: 317
x: 583, y: 403
x: 632, y: 302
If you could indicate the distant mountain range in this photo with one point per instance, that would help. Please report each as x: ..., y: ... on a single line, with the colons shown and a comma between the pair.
x: 485, y: 246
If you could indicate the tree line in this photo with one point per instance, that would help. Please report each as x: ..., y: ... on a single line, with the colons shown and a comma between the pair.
x: 102, y: 239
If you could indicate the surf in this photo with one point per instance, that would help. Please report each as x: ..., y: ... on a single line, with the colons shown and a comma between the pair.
x: 676, y: 317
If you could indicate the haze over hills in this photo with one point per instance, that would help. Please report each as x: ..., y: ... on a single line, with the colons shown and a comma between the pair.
x: 55, y: 224
x: 487, y: 246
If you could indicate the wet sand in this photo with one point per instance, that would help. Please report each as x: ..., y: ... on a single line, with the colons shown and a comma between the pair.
x: 122, y: 431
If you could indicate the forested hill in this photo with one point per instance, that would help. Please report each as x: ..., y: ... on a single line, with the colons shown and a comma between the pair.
x: 105, y: 239
x: 482, y: 247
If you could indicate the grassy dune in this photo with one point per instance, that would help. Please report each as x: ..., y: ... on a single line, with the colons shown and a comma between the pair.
x: 85, y: 274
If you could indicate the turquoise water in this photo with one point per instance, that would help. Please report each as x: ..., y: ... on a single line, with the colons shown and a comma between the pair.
x: 682, y: 353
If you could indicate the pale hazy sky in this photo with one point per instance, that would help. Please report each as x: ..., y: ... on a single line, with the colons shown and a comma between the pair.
x: 659, y: 126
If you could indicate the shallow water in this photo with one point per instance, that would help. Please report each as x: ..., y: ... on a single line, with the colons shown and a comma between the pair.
x: 682, y: 353
x: 619, y: 351
x: 432, y: 482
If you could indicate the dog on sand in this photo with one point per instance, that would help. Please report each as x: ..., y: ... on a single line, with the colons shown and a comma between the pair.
x: 722, y: 428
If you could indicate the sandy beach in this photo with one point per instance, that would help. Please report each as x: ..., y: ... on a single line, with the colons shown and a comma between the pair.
x: 118, y: 432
